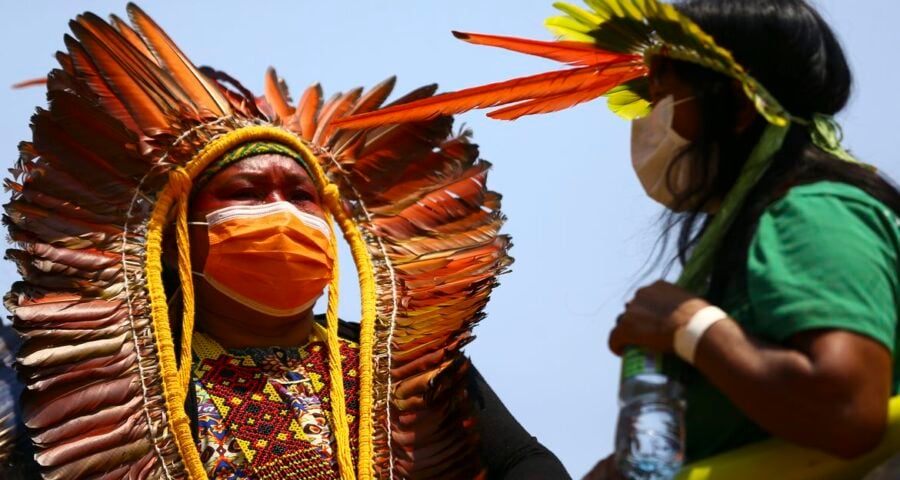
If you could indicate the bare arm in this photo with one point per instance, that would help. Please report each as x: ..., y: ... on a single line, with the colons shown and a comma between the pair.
x: 826, y: 389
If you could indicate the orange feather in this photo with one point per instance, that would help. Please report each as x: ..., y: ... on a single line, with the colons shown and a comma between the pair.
x: 375, y: 97
x: 147, y: 72
x: 202, y: 91
x: 336, y: 107
x: 525, y: 88
x: 276, y: 96
x: 33, y: 82
x: 133, y: 38
x: 574, y: 53
x: 85, y: 69
x: 144, y: 107
x: 308, y: 107
x: 563, y: 101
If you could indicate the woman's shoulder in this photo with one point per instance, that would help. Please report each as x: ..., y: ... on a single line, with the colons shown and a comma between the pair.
x: 818, y: 224
x: 830, y: 202
x: 828, y: 191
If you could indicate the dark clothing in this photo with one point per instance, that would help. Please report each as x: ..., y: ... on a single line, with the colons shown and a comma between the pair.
x: 507, y: 449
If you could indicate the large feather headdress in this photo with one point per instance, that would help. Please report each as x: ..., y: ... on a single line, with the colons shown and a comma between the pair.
x: 130, y: 122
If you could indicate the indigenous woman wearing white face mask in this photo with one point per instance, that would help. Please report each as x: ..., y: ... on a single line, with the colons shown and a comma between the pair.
x: 654, y: 143
x: 174, y: 233
x: 787, y: 306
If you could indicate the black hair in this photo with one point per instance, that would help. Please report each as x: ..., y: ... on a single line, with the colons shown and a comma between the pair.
x: 791, y: 51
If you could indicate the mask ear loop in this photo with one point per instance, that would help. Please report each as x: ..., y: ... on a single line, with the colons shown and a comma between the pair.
x: 183, y: 185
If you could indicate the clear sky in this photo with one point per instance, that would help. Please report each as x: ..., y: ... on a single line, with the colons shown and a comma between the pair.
x: 581, y: 225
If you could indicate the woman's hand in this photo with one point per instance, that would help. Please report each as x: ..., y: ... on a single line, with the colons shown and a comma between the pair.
x: 604, y: 470
x: 651, y: 318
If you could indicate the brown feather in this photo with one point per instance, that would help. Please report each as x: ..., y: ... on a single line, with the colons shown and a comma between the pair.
x: 132, y: 36
x: 148, y: 109
x: 101, y: 462
x: 375, y: 96
x: 87, y: 71
x: 147, y: 72
x: 202, y: 91
x: 308, y: 108
x: 43, y: 409
x: 337, y: 107
x: 35, y: 355
x: 276, y: 96
x: 100, y: 439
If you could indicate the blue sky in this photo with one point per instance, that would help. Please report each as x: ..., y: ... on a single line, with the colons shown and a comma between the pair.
x: 581, y: 225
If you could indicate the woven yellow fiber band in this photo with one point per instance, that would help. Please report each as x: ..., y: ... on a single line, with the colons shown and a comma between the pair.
x: 173, y: 382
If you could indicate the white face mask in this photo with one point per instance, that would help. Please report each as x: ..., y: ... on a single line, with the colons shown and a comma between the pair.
x: 654, y: 146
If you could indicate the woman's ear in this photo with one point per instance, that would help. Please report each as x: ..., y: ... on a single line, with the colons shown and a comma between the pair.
x: 745, y: 111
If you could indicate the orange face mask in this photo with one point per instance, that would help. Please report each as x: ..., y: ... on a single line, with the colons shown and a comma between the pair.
x: 272, y: 258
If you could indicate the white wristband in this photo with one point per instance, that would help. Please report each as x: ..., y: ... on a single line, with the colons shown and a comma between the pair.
x: 688, y: 336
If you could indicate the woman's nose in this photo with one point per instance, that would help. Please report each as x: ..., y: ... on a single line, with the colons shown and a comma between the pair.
x: 276, y: 196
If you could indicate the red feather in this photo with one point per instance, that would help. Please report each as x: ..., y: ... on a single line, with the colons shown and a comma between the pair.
x: 501, y: 93
x: 34, y: 82
x: 574, y: 53
x: 563, y: 101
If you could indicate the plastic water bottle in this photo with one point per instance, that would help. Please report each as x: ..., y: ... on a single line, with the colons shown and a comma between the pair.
x: 650, y: 430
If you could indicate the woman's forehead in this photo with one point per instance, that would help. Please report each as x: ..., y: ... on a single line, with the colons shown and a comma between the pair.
x: 267, y: 163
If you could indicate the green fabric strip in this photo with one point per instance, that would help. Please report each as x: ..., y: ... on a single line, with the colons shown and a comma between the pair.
x: 248, y: 150
x: 699, y: 265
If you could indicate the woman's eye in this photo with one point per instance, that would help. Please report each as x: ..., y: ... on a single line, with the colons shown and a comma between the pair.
x: 301, y: 196
x: 244, y: 194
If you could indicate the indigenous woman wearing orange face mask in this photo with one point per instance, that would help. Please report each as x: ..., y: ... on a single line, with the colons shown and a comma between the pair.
x: 174, y: 234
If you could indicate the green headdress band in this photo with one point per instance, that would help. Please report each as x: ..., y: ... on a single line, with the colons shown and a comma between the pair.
x: 648, y: 28
x: 248, y: 150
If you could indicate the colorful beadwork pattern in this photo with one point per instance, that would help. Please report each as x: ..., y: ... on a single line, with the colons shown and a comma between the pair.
x: 265, y: 413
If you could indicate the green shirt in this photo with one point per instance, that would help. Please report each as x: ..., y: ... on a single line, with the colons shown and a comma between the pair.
x: 825, y: 256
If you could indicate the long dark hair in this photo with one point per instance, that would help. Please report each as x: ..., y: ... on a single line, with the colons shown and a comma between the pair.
x: 790, y: 49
